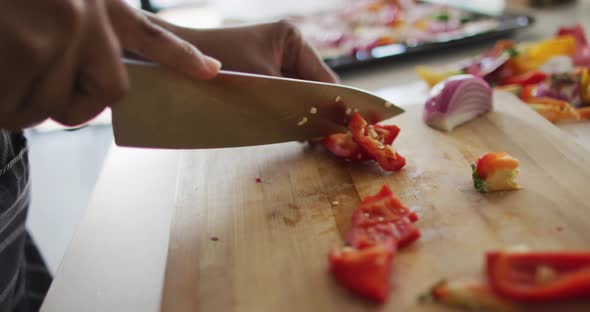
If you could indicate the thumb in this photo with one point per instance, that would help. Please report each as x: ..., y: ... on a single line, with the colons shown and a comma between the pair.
x: 139, y: 35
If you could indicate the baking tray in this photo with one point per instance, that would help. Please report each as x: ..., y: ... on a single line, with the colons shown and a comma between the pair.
x: 508, y: 23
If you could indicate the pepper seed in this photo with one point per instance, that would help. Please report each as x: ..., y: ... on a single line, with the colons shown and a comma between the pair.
x: 302, y: 121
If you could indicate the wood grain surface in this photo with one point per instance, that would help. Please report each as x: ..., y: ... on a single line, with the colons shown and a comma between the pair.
x: 580, y: 131
x: 239, y: 245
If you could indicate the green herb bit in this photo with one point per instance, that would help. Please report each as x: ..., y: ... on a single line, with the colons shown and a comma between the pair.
x: 442, y: 16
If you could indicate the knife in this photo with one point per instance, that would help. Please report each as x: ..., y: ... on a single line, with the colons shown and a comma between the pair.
x: 164, y: 109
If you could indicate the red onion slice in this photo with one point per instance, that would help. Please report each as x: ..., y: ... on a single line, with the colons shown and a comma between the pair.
x: 457, y: 100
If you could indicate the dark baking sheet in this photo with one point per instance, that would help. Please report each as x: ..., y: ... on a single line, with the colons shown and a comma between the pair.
x: 508, y: 24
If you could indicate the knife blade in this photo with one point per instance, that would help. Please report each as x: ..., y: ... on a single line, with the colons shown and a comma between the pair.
x: 164, y: 109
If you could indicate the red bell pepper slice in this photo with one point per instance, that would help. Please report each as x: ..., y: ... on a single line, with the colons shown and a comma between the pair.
x: 530, y: 78
x: 381, y: 207
x: 398, y: 233
x: 375, y: 143
x: 528, y: 92
x: 379, y: 224
x: 471, y: 296
x: 575, y: 31
x: 363, y: 237
x: 382, y: 218
x: 388, y: 132
x: 539, y: 276
x: 343, y: 146
x: 364, y: 271
x: 582, y: 54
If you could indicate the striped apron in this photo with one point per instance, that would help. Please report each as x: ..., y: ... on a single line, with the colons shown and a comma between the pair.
x: 24, y: 278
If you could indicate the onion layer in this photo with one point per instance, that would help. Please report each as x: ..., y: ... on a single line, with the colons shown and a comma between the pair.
x: 457, y: 100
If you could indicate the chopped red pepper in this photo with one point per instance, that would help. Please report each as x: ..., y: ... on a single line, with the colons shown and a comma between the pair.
x: 370, y: 142
x: 528, y: 92
x: 584, y: 112
x: 582, y: 53
x: 382, y: 217
x: 575, y: 31
x: 374, y: 140
x: 539, y: 276
x: 472, y: 296
x: 388, y: 132
x: 383, y: 206
x: 379, y: 224
x: 381, y: 41
x: 365, y: 271
x: 342, y: 145
x: 363, y: 237
x: 401, y: 233
x: 530, y: 78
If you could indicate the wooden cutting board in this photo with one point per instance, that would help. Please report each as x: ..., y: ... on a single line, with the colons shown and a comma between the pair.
x: 580, y: 132
x: 239, y: 245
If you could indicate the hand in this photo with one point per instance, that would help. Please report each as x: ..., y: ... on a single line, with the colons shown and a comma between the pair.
x: 276, y: 49
x: 62, y: 58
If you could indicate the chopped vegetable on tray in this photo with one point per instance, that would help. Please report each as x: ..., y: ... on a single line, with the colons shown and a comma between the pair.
x: 361, y: 26
x: 552, y: 69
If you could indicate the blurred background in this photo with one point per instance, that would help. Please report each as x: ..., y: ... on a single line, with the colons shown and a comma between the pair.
x: 374, y: 45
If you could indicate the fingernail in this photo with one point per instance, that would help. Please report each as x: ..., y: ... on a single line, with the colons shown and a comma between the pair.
x: 212, y: 64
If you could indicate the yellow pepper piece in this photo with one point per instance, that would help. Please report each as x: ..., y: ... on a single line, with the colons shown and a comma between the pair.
x: 421, y: 24
x: 532, y: 56
x: 432, y: 77
x: 585, y: 85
